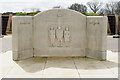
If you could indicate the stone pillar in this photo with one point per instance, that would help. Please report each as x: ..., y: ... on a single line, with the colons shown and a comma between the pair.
x: 119, y: 27
x: 116, y: 27
x: 0, y: 25
x: 116, y: 30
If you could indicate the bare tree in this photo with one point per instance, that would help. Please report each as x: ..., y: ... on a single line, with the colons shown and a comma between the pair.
x: 78, y: 7
x: 102, y: 11
x: 118, y: 8
x: 111, y: 7
x: 94, y: 6
x: 31, y: 9
x: 35, y: 9
x: 24, y: 10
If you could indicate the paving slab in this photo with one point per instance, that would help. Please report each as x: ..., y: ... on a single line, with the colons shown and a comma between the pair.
x: 60, y: 68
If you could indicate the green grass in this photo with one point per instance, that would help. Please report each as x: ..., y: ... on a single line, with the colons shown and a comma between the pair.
x: 90, y: 14
x: 119, y: 18
x: 32, y: 13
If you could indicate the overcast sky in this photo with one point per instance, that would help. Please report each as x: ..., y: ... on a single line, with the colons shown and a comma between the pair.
x: 19, y: 5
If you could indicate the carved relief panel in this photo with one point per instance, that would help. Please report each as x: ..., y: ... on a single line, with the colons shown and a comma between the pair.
x: 59, y: 36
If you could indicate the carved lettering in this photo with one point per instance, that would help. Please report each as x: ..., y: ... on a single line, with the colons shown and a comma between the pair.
x: 94, y: 22
x: 24, y: 23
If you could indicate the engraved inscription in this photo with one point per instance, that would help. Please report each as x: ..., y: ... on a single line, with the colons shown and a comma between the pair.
x: 24, y: 23
x: 94, y: 22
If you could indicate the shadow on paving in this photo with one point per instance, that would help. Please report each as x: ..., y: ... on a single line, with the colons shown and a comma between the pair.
x: 37, y: 64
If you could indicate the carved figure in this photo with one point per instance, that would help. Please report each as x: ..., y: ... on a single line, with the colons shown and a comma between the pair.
x: 67, y: 36
x: 52, y: 36
x: 59, y: 36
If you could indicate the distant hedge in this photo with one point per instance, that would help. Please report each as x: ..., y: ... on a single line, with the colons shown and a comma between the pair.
x: 21, y: 14
x: 33, y: 13
x: 25, y: 14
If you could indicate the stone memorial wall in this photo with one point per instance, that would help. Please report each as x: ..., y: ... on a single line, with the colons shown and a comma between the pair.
x: 59, y: 33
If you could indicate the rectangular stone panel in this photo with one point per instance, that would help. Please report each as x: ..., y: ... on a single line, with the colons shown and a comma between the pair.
x: 22, y: 37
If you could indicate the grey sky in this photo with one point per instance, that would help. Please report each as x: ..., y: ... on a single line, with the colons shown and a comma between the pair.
x: 19, y: 5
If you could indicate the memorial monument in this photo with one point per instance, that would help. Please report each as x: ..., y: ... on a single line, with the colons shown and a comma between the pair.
x: 59, y: 33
